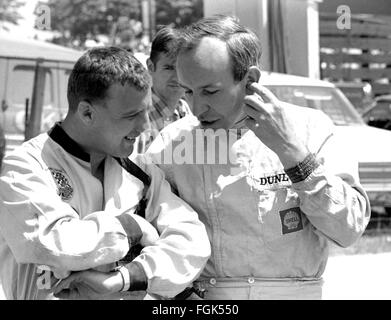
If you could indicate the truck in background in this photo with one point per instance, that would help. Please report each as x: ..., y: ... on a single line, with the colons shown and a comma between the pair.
x: 33, y: 87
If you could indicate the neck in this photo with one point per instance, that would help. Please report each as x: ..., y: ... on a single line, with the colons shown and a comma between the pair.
x: 77, y: 132
x: 169, y: 102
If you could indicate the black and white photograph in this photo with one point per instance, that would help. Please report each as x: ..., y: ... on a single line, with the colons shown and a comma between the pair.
x: 207, y: 150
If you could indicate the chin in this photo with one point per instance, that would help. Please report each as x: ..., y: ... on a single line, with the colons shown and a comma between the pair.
x: 214, y: 126
x: 125, y: 153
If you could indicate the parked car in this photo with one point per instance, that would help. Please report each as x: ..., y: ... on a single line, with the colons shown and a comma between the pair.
x: 360, y: 94
x: 379, y: 114
x: 33, y: 78
x: 371, y: 146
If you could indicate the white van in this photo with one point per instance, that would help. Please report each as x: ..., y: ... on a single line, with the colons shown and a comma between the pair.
x: 372, y: 146
x: 33, y: 78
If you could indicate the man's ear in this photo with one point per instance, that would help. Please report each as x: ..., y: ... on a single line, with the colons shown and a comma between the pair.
x: 150, y: 65
x: 86, y: 112
x: 253, y: 75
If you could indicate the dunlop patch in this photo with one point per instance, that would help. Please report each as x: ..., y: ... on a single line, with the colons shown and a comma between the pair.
x: 271, y: 182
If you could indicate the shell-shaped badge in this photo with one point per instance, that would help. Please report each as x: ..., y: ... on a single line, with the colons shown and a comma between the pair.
x: 64, y: 189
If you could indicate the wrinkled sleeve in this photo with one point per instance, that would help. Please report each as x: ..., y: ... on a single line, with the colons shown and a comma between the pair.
x: 183, y: 248
x: 332, y: 197
x: 42, y: 229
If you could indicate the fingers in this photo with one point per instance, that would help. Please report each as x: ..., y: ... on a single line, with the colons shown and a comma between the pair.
x: 61, y: 273
x: 260, y: 105
x: 257, y: 114
x: 66, y: 283
x: 258, y: 110
x: 266, y: 95
x: 251, y: 123
x: 54, y: 281
x: 255, y: 102
x: 69, y: 294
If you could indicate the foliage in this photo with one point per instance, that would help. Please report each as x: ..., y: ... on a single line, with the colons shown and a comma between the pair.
x: 117, y: 21
x: 79, y: 20
x: 178, y: 12
x: 9, y: 11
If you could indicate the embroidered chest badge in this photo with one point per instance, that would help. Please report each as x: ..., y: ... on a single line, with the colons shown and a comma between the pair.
x: 291, y: 220
x: 64, y: 189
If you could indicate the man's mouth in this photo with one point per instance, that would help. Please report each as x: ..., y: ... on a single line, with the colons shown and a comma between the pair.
x: 174, y: 85
x: 130, y: 138
x: 208, y: 122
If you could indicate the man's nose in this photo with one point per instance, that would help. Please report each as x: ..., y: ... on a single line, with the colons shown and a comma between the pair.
x: 142, y: 121
x: 198, y: 106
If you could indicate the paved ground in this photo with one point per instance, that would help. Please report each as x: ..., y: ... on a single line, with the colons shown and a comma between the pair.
x: 358, y: 277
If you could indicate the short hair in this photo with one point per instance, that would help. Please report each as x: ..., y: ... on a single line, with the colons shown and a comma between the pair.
x: 164, y: 41
x: 101, y: 67
x: 243, y: 45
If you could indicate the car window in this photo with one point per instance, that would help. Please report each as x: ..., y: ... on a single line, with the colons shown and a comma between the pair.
x: 63, y: 88
x: 21, y: 85
x: 330, y: 100
x: 21, y: 88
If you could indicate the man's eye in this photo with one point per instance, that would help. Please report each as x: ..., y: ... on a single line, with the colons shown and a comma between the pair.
x: 188, y: 92
x: 132, y: 116
x: 169, y: 68
x: 210, y: 92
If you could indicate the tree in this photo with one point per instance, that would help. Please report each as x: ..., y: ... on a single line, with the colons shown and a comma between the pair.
x: 9, y: 11
x: 119, y: 20
x: 79, y: 20
x: 178, y: 12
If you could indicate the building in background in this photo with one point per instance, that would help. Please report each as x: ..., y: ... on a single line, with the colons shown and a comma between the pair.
x: 288, y: 29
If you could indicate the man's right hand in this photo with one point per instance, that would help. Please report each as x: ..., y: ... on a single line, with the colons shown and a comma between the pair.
x: 89, y: 284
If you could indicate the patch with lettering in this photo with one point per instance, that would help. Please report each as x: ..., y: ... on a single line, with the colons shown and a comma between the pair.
x: 271, y: 182
x: 291, y: 220
x: 64, y: 189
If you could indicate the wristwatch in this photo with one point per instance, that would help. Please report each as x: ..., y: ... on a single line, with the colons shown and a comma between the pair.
x: 303, y: 169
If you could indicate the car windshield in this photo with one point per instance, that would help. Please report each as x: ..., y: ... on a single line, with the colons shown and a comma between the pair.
x: 330, y: 100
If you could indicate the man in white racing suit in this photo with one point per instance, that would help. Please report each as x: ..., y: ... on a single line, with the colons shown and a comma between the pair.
x: 268, y: 179
x: 71, y: 199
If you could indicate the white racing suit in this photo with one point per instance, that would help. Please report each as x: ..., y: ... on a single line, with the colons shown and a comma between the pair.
x: 54, y: 212
x: 269, y: 237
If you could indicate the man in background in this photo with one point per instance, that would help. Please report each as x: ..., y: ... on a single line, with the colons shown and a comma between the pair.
x: 168, y: 104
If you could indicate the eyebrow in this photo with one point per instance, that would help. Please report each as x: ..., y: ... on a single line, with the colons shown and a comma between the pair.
x: 182, y: 85
x: 203, y: 87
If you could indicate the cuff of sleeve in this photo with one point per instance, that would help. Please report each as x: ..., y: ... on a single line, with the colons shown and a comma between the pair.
x: 137, y: 278
x: 302, y: 170
x: 125, y: 278
x: 132, y: 229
